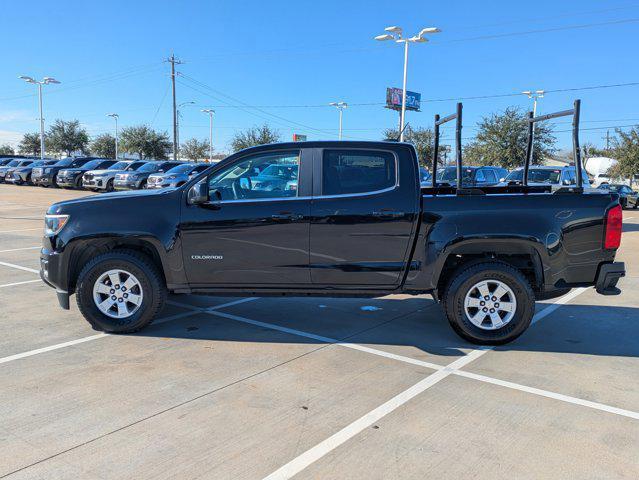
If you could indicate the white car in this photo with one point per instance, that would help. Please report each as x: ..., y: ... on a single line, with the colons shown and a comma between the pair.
x: 103, y: 179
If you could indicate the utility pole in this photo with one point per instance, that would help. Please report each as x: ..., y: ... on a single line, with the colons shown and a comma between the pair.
x: 172, y: 60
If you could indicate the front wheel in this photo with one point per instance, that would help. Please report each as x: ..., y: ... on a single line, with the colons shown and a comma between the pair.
x: 120, y: 292
x: 489, y: 303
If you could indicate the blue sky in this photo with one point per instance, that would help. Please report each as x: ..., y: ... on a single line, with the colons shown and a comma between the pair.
x: 292, y: 58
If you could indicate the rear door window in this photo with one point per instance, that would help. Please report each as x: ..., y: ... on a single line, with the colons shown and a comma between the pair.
x: 490, y: 176
x: 357, y: 171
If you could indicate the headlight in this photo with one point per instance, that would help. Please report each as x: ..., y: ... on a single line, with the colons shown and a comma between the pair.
x: 47, y: 170
x: 54, y: 223
x: 171, y: 177
x: 133, y: 176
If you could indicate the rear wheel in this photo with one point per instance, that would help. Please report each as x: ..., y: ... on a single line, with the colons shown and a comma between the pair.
x: 489, y: 303
x: 120, y: 292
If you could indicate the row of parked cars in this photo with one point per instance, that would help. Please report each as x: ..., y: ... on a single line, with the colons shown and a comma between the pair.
x: 97, y: 174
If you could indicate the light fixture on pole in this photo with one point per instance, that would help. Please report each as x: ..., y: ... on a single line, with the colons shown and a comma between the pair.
x: 396, y: 35
x: 210, y: 113
x: 44, y: 81
x: 340, y: 106
x: 115, y: 116
x: 177, y: 129
x: 535, y: 95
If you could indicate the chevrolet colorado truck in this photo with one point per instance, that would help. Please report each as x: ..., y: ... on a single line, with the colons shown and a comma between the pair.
x: 356, y: 223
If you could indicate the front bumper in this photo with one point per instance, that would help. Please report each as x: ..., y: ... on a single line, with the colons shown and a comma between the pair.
x: 53, y: 273
x: 15, y: 177
x: 95, y: 183
x: 608, y: 276
x: 67, y: 181
x: 46, y: 179
x: 126, y: 184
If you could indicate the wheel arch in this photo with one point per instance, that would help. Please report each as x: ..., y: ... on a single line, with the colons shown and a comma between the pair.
x: 82, y: 251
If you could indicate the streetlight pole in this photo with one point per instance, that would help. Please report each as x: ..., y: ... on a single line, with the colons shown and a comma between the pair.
x: 535, y: 95
x: 115, y: 116
x: 177, y: 125
x: 44, y: 81
x: 210, y: 112
x: 396, y: 35
x: 340, y: 106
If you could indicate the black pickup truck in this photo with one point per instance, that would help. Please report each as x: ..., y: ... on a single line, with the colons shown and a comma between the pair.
x: 352, y: 221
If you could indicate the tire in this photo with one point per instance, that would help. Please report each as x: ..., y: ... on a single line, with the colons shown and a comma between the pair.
x: 54, y: 182
x: 142, y: 185
x: 109, y: 186
x: 462, y: 286
x: 29, y: 180
x: 150, y: 287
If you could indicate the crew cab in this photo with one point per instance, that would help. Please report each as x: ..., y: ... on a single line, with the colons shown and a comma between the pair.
x: 358, y: 224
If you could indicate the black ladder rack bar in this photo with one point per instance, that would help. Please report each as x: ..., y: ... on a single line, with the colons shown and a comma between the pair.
x: 575, y: 112
x: 458, y: 150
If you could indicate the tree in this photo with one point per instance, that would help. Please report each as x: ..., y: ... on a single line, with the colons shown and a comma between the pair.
x: 626, y: 151
x: 30, y: 144
x: 103, y: 145
x: 502, y: 138
x: 6, y: 149
x: 254, y: 136
x: 145, y: 142
x: 194, y: 149
x: 423, y: 139
x: 67, y: 137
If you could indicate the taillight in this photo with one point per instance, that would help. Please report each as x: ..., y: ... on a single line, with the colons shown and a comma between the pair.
x: 614, y: 221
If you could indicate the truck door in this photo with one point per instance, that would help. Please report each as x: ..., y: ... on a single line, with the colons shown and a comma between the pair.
x: 365, y: 204
x: 255, y: 229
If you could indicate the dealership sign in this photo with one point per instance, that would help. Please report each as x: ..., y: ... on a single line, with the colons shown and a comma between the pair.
x: 394, y: 99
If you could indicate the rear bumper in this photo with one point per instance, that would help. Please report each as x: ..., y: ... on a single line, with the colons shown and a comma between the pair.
x: 608, y: 276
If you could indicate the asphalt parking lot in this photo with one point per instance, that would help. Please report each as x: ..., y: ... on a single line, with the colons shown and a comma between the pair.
x: 311, y: 388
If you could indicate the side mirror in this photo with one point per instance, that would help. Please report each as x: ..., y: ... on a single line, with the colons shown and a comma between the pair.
x: 502, y: 179
x: 198, y: 193
x: 566, y: 181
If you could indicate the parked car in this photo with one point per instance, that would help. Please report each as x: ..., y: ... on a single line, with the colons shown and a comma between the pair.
x: 47, y: 176
x: 472, y: 176
x: 275, y: 177
x: 139, y: 178
x: 556, y: 177
x: 627, y: 196
x: 358, y: 224
x: 13, y: 164
x: 5, y: 161
x: 424, y: 176
x: 176, y: 176
x: 22, y: 175
x: 72, y: 177
x: 103, y: 179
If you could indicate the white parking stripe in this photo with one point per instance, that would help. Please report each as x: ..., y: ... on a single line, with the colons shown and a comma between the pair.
x: 100, y: 335
x: 18, y: 249
x: 19, y: 283
x: 310, y: 456
x: 20, y: 267
x: 302, y: 461
x: 547, y: 394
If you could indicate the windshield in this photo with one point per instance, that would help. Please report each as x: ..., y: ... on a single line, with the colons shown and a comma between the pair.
x: 149, y: 167
x: 134, y: 166
x: 118, y: 166
x: 449, y: 174
x: 13, y: 163
x: 24, y: 163
x: 39, y: 163
x: 286, y: 172
x: 181, y: 169
x: 535, y: 175
x: 65, y: 162
x: 93, y: 164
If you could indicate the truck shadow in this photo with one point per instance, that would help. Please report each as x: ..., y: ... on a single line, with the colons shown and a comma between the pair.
x: 418, y: 327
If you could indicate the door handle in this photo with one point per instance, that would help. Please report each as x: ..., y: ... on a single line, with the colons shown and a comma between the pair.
x: 388, y: 214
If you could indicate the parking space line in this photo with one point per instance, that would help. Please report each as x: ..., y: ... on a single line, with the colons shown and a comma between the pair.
x: 19, y: 267
x: 313, y: 454
x: 548, y: 394
x: 100, y: 335
x: 18, y: 249
x: 19, y: 283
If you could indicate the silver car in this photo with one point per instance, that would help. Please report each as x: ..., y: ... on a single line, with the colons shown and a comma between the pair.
x: 177, y: 176
x: 103, y: 179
